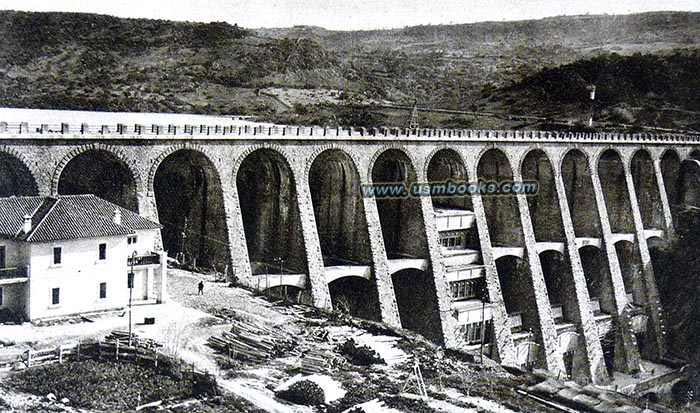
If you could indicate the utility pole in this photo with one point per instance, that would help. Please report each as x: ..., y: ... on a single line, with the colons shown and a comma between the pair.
x: 483, y: 322
x: 413, y: 120
x: 590, y: 119
x: 130, y: 284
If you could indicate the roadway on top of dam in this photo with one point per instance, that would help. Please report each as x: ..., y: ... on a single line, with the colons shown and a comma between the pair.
x: 81, y: 125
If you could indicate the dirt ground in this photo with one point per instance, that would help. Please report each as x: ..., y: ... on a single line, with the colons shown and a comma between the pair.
x: 186, y: 321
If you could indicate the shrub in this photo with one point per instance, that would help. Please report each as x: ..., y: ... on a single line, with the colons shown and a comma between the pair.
x: 304, y: 392
x: 98, y: 385
x: 359, y: 355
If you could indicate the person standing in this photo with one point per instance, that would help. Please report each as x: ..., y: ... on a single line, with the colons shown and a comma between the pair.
x: 200, y: 288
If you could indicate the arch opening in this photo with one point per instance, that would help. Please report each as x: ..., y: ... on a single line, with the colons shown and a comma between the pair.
x: 564, y: 302
x: 15, y: 178
x: 600, y: 288
x: 339, y: 210
x: 670, y: 170
x: 270, y: 212
x: 446, y: 165
x: 647, y: 190
x: 342, y: 229
x: 454, y: 214
x: 415, y: 298
x: 289, y: 293
x: 598, y: 280
x: 519, y: 299
x: 631, y: 267
x: 560, y: 286
x: 101, y: 173
x: 461, y: 248
x: 544, y: 207
x: 580, y: 196
x: 403, y: 230
x: 355, y: 296
x: 689, y: 184
x: 401, y: 218
x: 502, y: 213
x: 612, y: 178
x: 190, y: 205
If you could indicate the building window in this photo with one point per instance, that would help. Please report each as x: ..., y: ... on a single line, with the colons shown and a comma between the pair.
x: 3, y: 257
x: 0, y: 296
x: 103, y: 290
x: 452, y: 241
x: 103, y: 251
x: 55, y: 296
x: 57, y: 251
x: 465, y: 289
x: 472, y: 332
x: 132, y: 239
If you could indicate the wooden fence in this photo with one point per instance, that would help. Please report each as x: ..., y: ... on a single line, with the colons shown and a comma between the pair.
x: 33, y: 358
x: 107, y: 349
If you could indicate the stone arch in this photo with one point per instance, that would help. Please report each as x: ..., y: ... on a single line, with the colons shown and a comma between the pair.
x: 113, y: 150
x: 528, y: 153
x: 318, y: 150
x: 104, y: 170
x: 671, y: 165
x: 612, y: 173
x: 336, y: 197
x: 195, y: 208
x: 445, y: 147
x: 689, y: 182
x: 401, y: 217
x: 34, y: 173
x: 559, y: 280
x: 268, y: 201
x: 355, y: 295
x: 502, y: 211
x: 386, y: 148
x: 694, y: 154
x: 415, y: 291
x: 597, y: 155
x: 641, y: 166
x: 631, y: 268
x: 172, y: 149
x: 544, y: 209
x: 596, y: 271
x: 493, y: 146
x: 448, y: 202
x: 519, y: 299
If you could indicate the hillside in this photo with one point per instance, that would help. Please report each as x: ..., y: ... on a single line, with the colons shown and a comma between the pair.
x: 93, y: 62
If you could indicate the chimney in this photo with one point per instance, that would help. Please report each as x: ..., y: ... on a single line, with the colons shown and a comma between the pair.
x: 117, y: 216
x: 27, y: 226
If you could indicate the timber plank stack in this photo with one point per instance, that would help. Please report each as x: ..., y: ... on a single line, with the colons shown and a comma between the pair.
x: 252, y: 342
x: 136, y: 341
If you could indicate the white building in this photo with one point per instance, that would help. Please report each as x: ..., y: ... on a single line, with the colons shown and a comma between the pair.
x: 65, y: 255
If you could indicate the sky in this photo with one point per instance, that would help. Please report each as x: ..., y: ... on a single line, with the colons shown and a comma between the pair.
x: 348, y: 14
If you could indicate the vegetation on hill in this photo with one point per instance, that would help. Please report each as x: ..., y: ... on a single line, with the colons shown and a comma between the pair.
x: 643, y: 66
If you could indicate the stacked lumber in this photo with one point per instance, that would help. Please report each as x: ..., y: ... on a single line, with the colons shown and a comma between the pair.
x: 250, y: 342
x: 314, y: 361
x: 123, y: 337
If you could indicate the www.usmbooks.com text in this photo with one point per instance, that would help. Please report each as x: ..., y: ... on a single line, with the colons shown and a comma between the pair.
x: 449, y: 189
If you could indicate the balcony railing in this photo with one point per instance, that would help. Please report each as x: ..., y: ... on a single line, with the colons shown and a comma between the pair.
x: 152, y: 259
x: 7, y: 273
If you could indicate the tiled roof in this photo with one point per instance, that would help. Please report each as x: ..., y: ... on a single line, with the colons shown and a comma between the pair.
x: 66, y: 217
x: 12, y: 212
x: 130, y: 219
